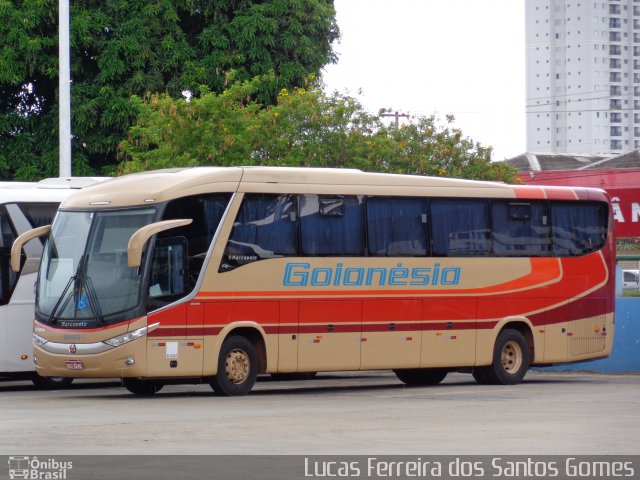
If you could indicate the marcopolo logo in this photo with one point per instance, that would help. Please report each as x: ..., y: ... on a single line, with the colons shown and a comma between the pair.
x: 38, y: 469
x: 302, y: 274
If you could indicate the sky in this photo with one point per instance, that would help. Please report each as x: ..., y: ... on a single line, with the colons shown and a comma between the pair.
x: 438, y: 57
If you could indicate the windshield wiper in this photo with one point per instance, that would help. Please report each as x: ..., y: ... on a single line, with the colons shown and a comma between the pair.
x: 57, y: 305
x: 81, y: 283
x: 93, y: 299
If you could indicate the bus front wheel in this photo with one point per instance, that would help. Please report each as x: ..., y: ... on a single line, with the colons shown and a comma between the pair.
x: 237, y: 367
x: 421, y: 376
x: 511, y: 360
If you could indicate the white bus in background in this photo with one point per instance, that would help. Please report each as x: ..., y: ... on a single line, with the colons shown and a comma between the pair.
x: 24, y: 206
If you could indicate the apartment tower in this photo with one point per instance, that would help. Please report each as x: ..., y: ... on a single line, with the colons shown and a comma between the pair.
x: 583, y: 76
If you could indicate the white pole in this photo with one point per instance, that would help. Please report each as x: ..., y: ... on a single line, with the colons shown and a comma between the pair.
x: 64, y: 88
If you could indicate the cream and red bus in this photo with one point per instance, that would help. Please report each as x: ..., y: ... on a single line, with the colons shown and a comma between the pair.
x: 219, y: 274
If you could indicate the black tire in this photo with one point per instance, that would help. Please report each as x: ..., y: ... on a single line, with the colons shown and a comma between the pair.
x: 293, y: 376
x: 421, y: 376
x: 141, y: 387
x: 237, y: 367
x: 50, y: 383
x: 511, y: 359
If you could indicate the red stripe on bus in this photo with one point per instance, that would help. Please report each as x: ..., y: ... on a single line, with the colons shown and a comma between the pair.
x: 168, y: 332
x: 339, y: 328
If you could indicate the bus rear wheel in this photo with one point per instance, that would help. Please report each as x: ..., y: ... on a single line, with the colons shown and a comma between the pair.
x: 511, y: 360
x: 421, y: 376
x: 237, y: 367
x: 141, y: 387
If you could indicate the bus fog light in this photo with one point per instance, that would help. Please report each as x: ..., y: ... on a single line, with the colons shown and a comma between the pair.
x: 130, y: 362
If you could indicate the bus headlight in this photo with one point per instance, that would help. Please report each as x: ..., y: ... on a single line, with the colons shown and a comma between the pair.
x: 130, y: 336
x: 38, y: 341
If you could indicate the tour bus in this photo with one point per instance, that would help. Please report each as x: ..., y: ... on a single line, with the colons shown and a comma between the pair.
x: 217, y: 275
x: 23, y: 206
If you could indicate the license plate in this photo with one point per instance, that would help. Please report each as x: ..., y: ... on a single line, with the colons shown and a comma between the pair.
x: 74, y: 364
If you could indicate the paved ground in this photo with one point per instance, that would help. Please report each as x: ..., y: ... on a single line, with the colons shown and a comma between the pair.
x: 369, y: 413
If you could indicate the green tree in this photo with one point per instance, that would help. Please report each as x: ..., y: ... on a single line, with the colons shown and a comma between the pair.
x: 306, y: 127
x: 121, y: 48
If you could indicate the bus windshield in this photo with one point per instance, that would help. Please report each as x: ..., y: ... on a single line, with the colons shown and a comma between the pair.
x: 84, y: 273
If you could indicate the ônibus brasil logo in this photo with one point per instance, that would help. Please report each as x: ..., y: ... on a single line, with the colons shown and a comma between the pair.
x: 36, y: 469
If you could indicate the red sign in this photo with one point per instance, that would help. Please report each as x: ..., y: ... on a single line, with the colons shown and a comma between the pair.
x: 625, y: 204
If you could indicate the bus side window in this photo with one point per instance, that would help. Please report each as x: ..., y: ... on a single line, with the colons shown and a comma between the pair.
x: 578, y: 228
x: 169, y: 269
x: 520, y: 229
x: 266, y: 227
x: 206, y: 211
x: 39, y: 214
x: 332, y: 225
x: 7, y: 276
x: 460, y: 227
x: 28, y: 215
x: 397, y: 226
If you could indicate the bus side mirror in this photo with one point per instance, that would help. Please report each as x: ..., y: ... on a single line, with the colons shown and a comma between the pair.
x: 16, y: 248
x: 140, y: 237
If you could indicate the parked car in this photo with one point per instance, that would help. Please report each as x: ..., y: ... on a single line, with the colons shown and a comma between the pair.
x: 631, y: 279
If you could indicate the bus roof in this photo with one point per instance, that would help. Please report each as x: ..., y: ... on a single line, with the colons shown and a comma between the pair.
x: 48, y: 190
x: 148, y: 188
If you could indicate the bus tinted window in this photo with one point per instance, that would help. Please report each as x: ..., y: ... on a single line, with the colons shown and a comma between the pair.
x: 520, y: 229
x: 397, y: 226
x: 12, y: 222
x: 265, y: 228
x: 332, y: 225
x: 268, y: 226
x: 213, y: 209
x: 578, y: 228
x: 39, y: 214
x: 206, y: 212
x: 460, y: 227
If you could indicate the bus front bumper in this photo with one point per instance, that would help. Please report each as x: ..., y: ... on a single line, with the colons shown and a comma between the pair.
x: 94, y: 360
